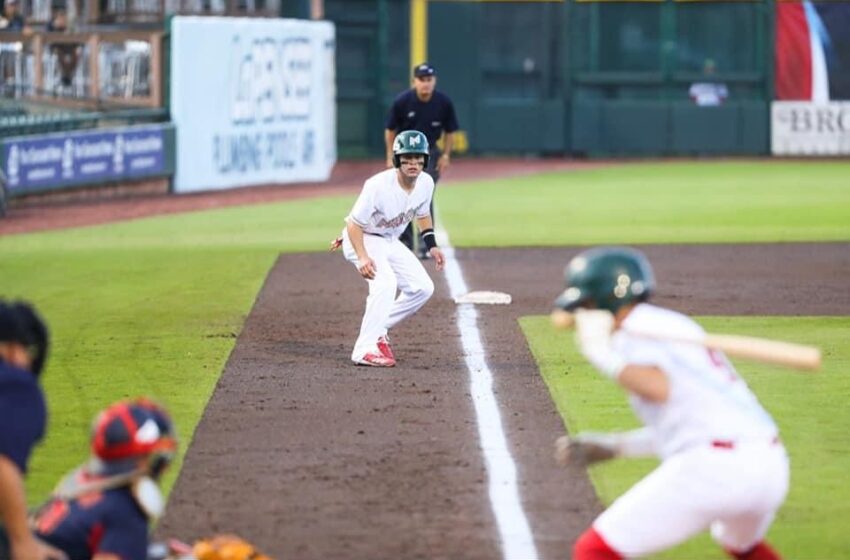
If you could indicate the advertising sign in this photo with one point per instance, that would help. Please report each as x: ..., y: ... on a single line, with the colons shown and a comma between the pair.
x: 254, y: 101
x: 86, y: 157
x: 802, y: 128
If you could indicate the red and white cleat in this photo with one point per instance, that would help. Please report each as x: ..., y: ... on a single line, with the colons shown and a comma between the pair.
x: 384, y: 348
x: 375, y: 360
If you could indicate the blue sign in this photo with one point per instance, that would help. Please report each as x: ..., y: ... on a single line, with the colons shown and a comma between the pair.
x: 33, y: 162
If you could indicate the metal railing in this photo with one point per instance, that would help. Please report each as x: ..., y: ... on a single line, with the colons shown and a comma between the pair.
x: 24, y: 123
x: 137, y: 11
x: 83, y: 70
x: 93, y: 12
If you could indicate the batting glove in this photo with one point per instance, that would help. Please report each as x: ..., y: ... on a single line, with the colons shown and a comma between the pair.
x: 593, y: 336
x: 588, y: 448
x: 585, y: 449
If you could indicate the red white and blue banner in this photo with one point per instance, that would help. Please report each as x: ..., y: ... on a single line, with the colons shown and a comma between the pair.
x: 811, y: 111
x: 812, y: 51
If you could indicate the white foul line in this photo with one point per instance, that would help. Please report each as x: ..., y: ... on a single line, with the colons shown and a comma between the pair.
x: 514, y: 529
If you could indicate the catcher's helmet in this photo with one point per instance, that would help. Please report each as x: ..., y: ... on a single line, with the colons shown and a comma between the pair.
x: 128, y: 432
x: 21, y: 324
x: 607, y: 278
x: 410, y: 142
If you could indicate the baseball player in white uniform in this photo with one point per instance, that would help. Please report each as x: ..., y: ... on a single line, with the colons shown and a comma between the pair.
x: 370, y: 241
x: 723, y: 467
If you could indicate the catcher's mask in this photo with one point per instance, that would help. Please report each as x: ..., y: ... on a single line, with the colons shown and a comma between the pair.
x: 130, y: 435
x: 410, y: 142
x: 21, y: 324
x: 607, y: 278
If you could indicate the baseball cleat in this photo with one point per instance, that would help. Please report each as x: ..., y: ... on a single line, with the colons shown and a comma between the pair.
x: 384, y: 348
x: 375, y: 360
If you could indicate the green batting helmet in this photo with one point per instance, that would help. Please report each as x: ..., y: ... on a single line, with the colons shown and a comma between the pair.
x: 607, y: 278
x: 410, y: 142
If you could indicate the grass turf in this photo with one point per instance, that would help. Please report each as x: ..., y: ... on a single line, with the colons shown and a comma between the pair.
x: 706, y: 202
x: 148, y: 307
x: 811, y: 410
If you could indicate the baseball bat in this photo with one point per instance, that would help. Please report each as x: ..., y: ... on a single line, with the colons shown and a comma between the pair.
x: 764, y: 350
x: 70, y: 489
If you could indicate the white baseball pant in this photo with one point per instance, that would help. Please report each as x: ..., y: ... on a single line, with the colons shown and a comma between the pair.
x: 734, y: 492
x: 397, y: 270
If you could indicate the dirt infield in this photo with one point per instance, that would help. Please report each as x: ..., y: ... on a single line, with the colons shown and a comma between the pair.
x: 315, y: 458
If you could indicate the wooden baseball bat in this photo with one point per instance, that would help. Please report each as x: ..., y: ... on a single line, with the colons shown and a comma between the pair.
x: 788, y: 354
x: 764, y: 350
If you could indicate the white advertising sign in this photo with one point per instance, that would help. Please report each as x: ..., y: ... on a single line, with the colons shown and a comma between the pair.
x: 253, y: 100
x: 802, y: 128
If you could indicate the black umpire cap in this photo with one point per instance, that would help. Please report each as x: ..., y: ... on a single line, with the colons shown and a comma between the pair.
x: 423, y: 70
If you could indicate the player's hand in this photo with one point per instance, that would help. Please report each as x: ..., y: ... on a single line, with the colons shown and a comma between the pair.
x: 366, y: 266
x: 51, y: 553
x: 584, y: 449
x: 594, y: 325
x: 593, y: 337
x: 438, y: 257
x: 34, y: 549
x: 444, y: 162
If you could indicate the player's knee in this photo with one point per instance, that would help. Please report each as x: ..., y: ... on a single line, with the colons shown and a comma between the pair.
x: 422, y: 290
x: 427, y: 289
x: 591, y: 546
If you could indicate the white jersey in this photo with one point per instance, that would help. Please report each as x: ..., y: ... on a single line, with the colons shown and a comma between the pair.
x: 707, y: 402
x: 706, y: 94
x: 384, y: 208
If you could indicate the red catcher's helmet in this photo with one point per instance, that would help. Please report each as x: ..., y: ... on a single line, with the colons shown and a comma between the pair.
x: 129, y: 431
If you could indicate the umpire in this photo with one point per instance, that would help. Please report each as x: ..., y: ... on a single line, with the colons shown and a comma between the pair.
x: 431, y: 112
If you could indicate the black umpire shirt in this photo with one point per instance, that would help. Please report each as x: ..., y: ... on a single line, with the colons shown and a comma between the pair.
x: 430, y: 118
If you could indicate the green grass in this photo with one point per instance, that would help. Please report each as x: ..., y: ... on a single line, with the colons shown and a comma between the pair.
x: 713, y: 202
x: 811, y: 410
x: 148, y: 307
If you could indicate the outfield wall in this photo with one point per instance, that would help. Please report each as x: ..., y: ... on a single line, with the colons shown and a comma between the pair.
x: 594, y: 77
